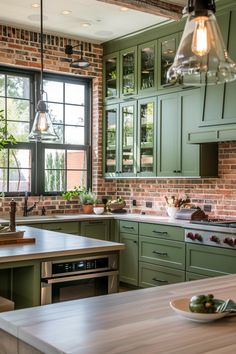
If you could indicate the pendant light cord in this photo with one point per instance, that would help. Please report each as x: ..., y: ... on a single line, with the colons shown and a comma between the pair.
x: 41, y: 38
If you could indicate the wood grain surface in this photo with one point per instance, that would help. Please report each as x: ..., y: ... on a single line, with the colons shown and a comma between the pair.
x: 137, y: 322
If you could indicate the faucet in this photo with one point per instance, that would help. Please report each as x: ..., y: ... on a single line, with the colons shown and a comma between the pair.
x: 27, y: 209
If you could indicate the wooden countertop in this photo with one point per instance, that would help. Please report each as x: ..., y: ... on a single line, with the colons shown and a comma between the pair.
x: 53, y: 244
x: 134, y: 322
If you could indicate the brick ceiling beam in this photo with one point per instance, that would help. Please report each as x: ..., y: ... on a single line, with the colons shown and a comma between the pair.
x: 154, y: 7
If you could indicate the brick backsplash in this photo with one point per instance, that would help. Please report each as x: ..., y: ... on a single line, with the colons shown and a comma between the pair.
x: 19, y: 47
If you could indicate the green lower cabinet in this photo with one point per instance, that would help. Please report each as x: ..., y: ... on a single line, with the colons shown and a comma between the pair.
x: 20, y: 282
x: 155, y: 275
x: 71, y: 227
x: 164, y: 232
x: 193, y: 276
x: 98, y: 229
x: 129, y: 259
x: 210, y: 261
x: 162, y: 252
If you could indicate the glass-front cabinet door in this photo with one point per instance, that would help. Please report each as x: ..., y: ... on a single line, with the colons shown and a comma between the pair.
x: 111, y: 76
x: 127, y: 139
x: 147, y: 67
x: 128, y: 72
x: 111, y: 116
x: 167, y: 47
x: 146, y: 150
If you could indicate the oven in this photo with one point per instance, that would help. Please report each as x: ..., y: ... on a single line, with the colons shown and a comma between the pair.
x: 78, y: 278
x: 210, y: 248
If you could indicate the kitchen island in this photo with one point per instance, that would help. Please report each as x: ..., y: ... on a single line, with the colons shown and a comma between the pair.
x: 21, y: 265
x: 139, y: 321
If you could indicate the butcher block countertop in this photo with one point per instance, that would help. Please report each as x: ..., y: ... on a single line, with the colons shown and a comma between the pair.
x: 137, y: 322
x: 53, y: 244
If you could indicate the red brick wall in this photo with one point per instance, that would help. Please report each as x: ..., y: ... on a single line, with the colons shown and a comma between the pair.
x: 22, y: 48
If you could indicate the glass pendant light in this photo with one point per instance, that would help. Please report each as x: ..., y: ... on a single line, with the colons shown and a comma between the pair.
x: 201, y: 57
x: 42, y: 128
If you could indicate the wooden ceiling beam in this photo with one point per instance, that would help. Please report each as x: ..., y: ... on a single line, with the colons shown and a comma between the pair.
x: 154, y: 7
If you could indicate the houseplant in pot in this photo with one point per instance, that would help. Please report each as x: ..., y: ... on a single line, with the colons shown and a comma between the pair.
x: 87, y: 199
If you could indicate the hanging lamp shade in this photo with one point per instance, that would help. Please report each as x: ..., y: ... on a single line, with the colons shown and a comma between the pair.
x: 202, y: 57
x: 42, y: 129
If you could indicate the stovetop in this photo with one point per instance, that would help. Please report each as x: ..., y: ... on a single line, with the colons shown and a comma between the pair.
x: 216, y: 222
x: 212, y: 238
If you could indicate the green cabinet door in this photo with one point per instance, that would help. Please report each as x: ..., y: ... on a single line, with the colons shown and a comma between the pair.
x: 210, y: 261
x: 129, y: 259
x: 128, y: 72
x: 179, y: 113
x: 167, y: 48
x: 146, y: 137
x: 111, y: 67
x: 110, y: 140
x: 98, y: 229
x: 127, y: 140
x: 147, y: 67
x: 169, y: 136
x: 155, y: 275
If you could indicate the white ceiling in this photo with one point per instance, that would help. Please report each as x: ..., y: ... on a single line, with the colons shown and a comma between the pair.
x: 106, y: 21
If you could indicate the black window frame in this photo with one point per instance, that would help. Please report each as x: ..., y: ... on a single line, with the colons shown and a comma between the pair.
x: 37, y: 148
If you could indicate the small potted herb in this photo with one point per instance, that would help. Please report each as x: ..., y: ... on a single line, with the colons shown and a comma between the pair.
x: 87, y: 199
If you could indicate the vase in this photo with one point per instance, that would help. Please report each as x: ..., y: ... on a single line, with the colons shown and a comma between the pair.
x: 87, y: 208
x: 171, y: 211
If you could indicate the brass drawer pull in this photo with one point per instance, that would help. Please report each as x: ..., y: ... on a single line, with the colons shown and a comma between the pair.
x: 160, y: 253
x: 128, y: 227
x: 58, y: 229
x: 160, y: 232
x: 160, y: 281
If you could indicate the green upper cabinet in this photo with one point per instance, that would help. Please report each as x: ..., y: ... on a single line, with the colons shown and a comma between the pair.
x: 147, y: 67
x: 218, y: 122
x: 110, y: 138
x: 111, y: 77
x: 178, y: 113
x: 146, y: 146
x: 130, y: 139
x: 213, y: 112
x: 127, y: 148
x: 128, y: 72
x: 167, y: 48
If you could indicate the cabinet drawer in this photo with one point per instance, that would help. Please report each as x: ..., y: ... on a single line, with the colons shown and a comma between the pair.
x: 67, y: 227
x: 210, y: 261
x: 130, y: 227
x: 154, y: 275
x: 164, y: 231
x: 162, y: 252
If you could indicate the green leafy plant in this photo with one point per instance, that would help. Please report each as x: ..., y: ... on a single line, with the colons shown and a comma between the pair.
x: 87, y: 197
x: 4, y: 137
x: 74, y: 193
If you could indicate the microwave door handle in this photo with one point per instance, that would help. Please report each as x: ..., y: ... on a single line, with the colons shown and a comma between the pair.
x: 79, y: 277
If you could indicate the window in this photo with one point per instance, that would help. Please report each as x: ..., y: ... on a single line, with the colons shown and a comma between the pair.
x: 52, y: 167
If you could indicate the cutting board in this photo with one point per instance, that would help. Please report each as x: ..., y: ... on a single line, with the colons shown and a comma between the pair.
x: 16, y: 241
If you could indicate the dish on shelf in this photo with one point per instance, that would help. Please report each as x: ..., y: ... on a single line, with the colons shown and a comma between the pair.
x: 181, y: 307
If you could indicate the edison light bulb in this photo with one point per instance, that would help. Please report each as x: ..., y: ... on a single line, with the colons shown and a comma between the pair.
x: 42, y: 125
x: 201, y: 43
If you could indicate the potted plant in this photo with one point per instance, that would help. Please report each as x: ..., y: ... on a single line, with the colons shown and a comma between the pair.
x: 4, y: 137
x: 87, y: 199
